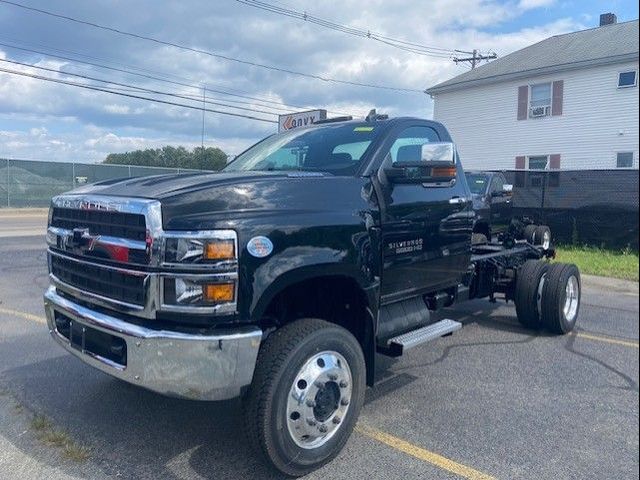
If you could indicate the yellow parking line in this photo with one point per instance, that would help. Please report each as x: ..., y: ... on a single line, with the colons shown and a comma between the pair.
x: 26, y: 316
x: 598, y: 338
x: 422, y: 454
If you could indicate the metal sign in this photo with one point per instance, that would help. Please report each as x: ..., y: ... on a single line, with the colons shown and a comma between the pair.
x: 300, y: 119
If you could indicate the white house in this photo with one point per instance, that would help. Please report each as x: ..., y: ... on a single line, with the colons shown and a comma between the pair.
x: 567, y: 102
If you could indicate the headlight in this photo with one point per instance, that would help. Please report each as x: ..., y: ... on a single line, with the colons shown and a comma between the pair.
x: 210, y: 257
x: 190, y: 292
x: 201, y: 247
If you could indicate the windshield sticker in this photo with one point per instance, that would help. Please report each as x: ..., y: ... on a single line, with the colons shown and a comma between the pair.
x: 260, y: 247
x: 363, y: 129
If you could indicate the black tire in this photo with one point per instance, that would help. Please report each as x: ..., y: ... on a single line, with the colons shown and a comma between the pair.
x: 529, y: 233
x: 282, y: 356
x: 554, y: 298
x: 478, y: 239
x: 527, y: 294
x: 542, y: 237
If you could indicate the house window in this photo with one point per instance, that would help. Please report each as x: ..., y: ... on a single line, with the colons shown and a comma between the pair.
x: 627, y: 79
x: 624, y: 160
x: 538, y: 162
x: 540, y: 100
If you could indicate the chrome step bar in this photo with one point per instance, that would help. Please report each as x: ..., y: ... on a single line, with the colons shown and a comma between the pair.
x: 397, y: 345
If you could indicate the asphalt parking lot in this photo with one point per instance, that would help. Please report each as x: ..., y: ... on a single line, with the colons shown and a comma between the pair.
x: 491, y: 401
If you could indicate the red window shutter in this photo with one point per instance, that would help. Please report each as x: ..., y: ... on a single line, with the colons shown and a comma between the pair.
x: 554, y: 161
x: 520, y: 161
x: 523, y: 102
x: 558, y: 93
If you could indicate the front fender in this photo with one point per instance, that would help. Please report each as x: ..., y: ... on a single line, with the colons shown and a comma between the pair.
x: 299, y: 263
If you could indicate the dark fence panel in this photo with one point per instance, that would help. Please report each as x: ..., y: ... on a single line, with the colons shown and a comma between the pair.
x: 595, y: 207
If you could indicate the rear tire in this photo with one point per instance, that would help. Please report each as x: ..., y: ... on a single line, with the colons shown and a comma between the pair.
x: 561, y: 298
x: 529, y: 233
x: 542, y: 237
x: 528, y: 294
x: 306, y: 395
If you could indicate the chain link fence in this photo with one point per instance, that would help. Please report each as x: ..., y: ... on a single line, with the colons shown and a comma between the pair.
x: 582, y: 207
x: 30, y: 183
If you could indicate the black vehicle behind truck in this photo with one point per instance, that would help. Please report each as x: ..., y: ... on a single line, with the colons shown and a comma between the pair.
x: 280, y: 278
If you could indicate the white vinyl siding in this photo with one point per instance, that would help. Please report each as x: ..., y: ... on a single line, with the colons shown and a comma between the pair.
x: 598, y: 120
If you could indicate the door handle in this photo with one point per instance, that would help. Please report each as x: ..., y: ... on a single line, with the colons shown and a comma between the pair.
x: 457, y: 200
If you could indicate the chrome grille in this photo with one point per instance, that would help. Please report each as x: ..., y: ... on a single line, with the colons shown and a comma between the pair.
x: 131, y: 226
x: 110, y: 283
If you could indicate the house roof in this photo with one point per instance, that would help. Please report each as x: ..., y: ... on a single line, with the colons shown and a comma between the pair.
x: 613, y: 43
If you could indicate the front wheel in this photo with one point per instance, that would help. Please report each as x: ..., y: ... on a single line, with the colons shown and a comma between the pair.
x: 306, y: 395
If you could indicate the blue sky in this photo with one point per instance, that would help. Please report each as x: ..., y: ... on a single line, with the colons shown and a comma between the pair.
x: 47, y: 121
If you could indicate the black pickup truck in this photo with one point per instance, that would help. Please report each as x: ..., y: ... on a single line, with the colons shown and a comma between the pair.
x: 494, y: 216
x: 281, y: 278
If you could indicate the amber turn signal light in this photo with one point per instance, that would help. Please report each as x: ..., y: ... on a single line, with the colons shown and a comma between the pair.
x: 443, y: 172
x: 218, y: 292
x: 219, y: 250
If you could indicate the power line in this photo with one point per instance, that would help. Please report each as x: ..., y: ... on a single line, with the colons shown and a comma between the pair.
x: 211, y: 54
x: 98, y: 89
x: 393, y: 42
x: 262, y: 101
x: 136, y: 88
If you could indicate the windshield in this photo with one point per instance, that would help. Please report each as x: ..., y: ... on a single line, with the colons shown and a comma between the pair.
x: 477, y: 183
x: 336, y: 149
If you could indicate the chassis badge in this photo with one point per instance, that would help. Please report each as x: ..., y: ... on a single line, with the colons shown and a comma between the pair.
x: 260, y: 247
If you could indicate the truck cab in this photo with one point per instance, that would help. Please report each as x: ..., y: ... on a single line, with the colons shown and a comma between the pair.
x: 280, y: 278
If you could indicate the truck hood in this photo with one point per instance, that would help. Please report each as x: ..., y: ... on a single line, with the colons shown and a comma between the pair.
x: 158, y: 187
x: 224, y: 200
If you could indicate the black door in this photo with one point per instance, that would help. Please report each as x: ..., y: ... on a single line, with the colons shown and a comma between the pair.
x: 426, y: 230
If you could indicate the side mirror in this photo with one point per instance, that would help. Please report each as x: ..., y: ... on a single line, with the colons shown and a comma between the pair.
x: 428, y: 163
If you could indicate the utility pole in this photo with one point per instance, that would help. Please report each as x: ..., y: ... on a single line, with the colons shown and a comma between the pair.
x: 475, y: 58
x: 204, y: 106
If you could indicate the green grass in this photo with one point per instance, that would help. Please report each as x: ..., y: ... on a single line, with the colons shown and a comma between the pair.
x: 605, y: 263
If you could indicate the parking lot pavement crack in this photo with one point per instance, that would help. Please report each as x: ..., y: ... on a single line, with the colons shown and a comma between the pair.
x: 631, y: 384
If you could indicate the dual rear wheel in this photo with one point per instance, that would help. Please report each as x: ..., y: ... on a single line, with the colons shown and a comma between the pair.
x: 539, y: 235
x: 548, y: 296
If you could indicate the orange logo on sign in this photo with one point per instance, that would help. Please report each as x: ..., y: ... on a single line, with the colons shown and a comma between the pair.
x: 287, y: 125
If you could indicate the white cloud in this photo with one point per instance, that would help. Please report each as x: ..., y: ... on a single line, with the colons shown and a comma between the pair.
x: 117, y: 109
x: 59, y: 122
x: 531, y: 4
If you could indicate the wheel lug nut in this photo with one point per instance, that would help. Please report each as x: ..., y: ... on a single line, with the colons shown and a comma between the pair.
x: 311, y: 403
x: 322, y: 428
x: 311, y: 422
x: 319, y: 384
x: 336, y: 420
x: 343, y: 384
x: 333, y: 377
x: 344, y: 402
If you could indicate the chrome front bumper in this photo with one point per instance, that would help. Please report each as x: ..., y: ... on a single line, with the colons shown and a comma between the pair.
x: 198, y: 367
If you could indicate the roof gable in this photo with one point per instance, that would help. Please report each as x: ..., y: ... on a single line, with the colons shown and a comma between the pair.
x: 607, y: 44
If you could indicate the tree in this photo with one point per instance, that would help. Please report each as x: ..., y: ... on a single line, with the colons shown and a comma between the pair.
x: 207, y: 158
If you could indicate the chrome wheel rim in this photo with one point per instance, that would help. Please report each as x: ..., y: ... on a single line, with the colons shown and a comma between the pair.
x: 546, y: 240
x: 319, y: 399
x: 539, y: 295
x: 572, y: 295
